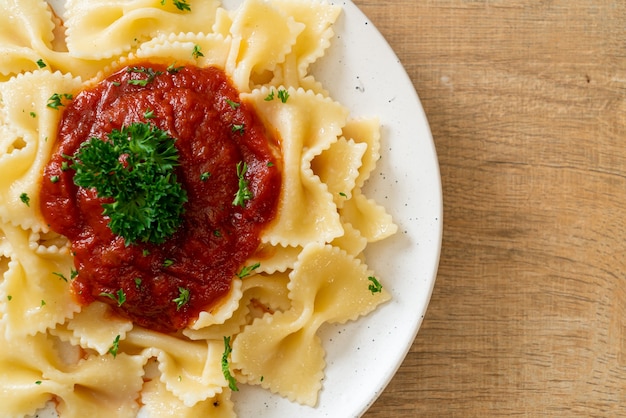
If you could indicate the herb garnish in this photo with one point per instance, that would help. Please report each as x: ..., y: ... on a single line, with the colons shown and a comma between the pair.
x: 25, y: 199
x: 57, y: 100
x: 196, y: 53
x: 239, y: 128
x: 173, y: 69
x: 115, y: 347
x: 205, y: 176
x: 283, y: 95
x: 40, y: 63
x: 180, y: 5
x: 232, y: 104
x: 247, y: 270
x: 182, y: 299
x: 243, y: 193
x: 135, y: 167
x: 232, y: 383
x: 119, y: 296
x: 143, y: 70
x: 375, y: 286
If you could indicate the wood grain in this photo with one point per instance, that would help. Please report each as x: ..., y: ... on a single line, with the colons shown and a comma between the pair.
x: 527, y: 105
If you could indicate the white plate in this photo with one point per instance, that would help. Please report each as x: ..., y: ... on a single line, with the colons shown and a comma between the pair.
x: 362, y: 72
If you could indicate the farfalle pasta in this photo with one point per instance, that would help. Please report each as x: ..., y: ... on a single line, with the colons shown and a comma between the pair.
x: 309, y: 267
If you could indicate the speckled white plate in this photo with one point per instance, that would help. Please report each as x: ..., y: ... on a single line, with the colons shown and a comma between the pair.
x: 362, y: 72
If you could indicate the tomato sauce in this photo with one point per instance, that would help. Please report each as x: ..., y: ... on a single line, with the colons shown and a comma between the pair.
x: 214, y: 131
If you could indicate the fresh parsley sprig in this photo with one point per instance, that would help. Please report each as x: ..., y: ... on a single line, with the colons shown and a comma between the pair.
x: 134, y: 167
x: 232, y: 383
x: 243, y: 192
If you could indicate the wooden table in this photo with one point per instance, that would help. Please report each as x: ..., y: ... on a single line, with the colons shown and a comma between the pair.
x: 527, y: 105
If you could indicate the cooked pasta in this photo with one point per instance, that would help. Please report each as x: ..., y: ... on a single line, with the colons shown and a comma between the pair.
x: 308, y: 270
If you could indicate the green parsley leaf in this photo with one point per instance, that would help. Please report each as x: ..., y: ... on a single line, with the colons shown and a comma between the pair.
x: 73, y: 274
x: 173, y: 69
x: 196, y: 53
x: 205, y: 176
x: 135, y: 167
x: 60, y: 275
x: 9, y: 298
x: 233, y: 105
x: 247, y: 270
x: 40, y: 63
x: 38, y: 382
x: 43, y: 302
x: 33, y: 115
x: 232, y: 383
x: 119, y: 297
x: 149, y: 72
x: 283, y: 95
x: 375, y: 286
x: 168, y: 263
x: 149, y: 114
x: 25, y: 199
x: 244, y: 193
x: 180, y: 5
x: 115, y: 347
x: 54, y: 179
x: 57, y: 100
x: 239, y: 128
x: 137, y: 282
x: 270, y: 96
x: 182, y: 299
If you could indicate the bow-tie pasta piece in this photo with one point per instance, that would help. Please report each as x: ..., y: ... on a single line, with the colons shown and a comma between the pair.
x: 282, y: 354
x: 370, y: 218
x: 26, y: 30
x: 311, y: 44
x: 100, y: 386
x: 26, y: 101
x: 79, y: 330
x: 191, y: 370
x: 34, y: 287
x: 282, y: 351
x: 262, y: 36
x: 99, y: 29
x: 306, y: 124
x: 340, y: 178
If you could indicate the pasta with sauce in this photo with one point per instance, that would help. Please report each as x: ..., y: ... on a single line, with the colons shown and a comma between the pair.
x: 309, y: 264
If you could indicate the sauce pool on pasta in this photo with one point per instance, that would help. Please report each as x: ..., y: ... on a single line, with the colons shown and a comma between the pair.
x: 165, y: 286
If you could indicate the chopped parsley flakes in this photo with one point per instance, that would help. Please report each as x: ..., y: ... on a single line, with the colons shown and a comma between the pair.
x: 243, y: 193
x: 232, y: 383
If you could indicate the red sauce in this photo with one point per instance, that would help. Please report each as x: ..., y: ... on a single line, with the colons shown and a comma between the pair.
x: 194, y: 105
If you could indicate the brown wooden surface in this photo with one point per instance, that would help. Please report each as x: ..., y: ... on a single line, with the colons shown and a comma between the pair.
x: 527, y: 105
